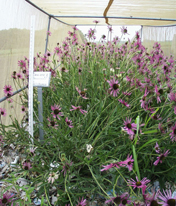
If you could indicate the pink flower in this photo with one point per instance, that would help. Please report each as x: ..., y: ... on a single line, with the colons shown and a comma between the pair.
x: 124, y: 30
x: 2, y: 112
x: 114, y: 87
x: 49, y: 33
x: 10, y: 100
x: 124, y: 103
x: 66, y: 167
x: 173, y: 133
x: 129, y: 162
x: 157, y: 94
x: 52, y: 123
x: 78, y: 109
x: 96, y: 22
x: 82, y: 93
x: 167, y: 199
x: 129, y: 127
x: 152, y: 199
x: 116, y: 164
x: 32, y: 150
x: 22, y: 64
x: 27, y: 165
x: 23, y: 109
x: 82, y: 202
x: 138, y: 184
x: 161, y: 128
x: 69, y: 122
x: 19, y: 75
x: 127, y: 93
x: 161, y: 157
x: 107, y: 167
x: 7, y: 89
x: 157, y: 149
x: 6, y: 199
x: 110, y: 28
x: 56, y: 111
x: 120, y: 200
x: 63, y: 69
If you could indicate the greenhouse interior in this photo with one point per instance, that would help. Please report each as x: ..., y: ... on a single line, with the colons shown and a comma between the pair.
x: 88, y: 103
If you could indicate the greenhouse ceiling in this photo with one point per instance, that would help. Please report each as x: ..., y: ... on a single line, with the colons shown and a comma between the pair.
x: 112, y: 12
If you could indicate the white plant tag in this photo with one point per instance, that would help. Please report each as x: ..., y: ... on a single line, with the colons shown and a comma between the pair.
x: 41, y: 79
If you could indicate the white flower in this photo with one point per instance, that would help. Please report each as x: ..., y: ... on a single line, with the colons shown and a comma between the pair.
x: 89, y: 148
x: 119, y: 75
x: 52, y: 176
x: 112, y: 70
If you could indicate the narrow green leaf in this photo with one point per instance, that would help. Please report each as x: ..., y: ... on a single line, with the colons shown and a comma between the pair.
x: 150, y: 131
x: 136, y: 168
x: 144, y: 145
x: 151, y: 117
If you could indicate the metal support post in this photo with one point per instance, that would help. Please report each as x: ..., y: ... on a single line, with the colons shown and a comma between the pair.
x: 40, y: 98
x: 141, y: 32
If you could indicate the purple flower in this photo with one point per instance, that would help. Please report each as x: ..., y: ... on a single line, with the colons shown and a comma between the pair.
x: 129, y: 162
x: 107, y: 167
x: 22, y: 64
x: 78, y: 109
x: 6, y: 199
x: 19, y: 75
x: 110, y: 28
x: 124, y: 103
x: 2, y: 112
x: 23, y: 109
x: 27, y: 165
x: 161, y: 157
x: 124, y: 30
x: 129, y: 127
x: 96, y: 22
x: 66, y: 167
x: 52, y: 123
x: 114, y: 87
x: 152, y: 199
x: 120, y: 200
x: 49, y: 33
x: 7, y: 89
x: 69, y: 122
x: 138, y: 184
x: 82, y: 202
x: 63, y: 69
x: 82, y: 93
x: 167, y: 199
x: 116, y: 164
x: 157, y: 149
x: 173, y: 133
x: 103, y: 36
x: 157, y: 94
x: 56, y: 111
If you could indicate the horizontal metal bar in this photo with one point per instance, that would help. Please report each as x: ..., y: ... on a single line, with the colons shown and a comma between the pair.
x: 116, y: 17
x: 46, y: 12
x: 37, y: 7
x: 14, y: 93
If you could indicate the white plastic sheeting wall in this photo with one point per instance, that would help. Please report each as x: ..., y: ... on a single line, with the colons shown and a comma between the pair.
x: 166, y: 36
x: 15, y: 17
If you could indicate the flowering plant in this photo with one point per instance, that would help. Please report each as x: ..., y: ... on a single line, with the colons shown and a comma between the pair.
x: 118, y: 99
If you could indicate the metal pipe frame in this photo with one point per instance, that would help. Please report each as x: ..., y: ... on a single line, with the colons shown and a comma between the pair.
x: 46, y: 12
x: 14, y: 93
x: 116, y: 17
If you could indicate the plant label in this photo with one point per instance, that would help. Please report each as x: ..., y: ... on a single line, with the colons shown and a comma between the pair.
x: 41, y: 79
